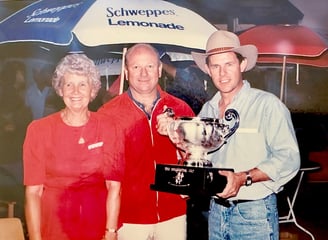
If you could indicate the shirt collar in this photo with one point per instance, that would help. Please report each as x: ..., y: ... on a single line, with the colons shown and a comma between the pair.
x: 140, y: 105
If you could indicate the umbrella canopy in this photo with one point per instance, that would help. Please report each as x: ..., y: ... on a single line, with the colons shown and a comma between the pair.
x: 319, y: 61
x: 284, y: 40
x: 104, y: 22
x: 284, y: 44
x: 91, y: 23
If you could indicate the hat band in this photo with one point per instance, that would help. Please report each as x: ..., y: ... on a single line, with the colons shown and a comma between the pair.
x: 215, y: 50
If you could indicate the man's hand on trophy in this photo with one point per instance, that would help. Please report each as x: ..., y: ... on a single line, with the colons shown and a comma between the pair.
x: 164, y: 119
x: 234, y: 182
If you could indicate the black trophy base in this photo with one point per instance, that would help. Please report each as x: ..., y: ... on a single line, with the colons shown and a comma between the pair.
x: 186, y: 180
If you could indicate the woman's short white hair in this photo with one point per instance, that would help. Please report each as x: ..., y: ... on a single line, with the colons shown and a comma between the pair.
x: 78, y: 64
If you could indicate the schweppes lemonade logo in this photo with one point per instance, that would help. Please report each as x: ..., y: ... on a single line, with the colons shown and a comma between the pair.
x: 49, y: 15
x: 154, y: 13
x: 115, y: 17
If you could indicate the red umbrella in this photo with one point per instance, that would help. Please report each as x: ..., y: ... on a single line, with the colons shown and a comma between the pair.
x: 293, y: 44
x: 286, y: 40
x: 320, y: 61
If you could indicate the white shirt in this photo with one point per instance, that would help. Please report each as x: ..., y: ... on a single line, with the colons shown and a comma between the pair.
x: 265, y: 139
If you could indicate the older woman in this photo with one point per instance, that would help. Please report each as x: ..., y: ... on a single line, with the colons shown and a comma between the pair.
x: 72, y: 162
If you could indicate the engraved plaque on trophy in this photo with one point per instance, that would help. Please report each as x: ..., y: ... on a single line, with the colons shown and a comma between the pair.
x: 196, y: 137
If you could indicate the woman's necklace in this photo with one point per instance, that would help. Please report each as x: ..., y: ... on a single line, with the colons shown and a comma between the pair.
x: 81, y: 139
x: 83, y: 122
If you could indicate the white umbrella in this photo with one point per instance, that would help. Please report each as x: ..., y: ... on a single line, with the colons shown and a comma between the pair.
x: 104, y: 22
x: 108, y: 66
x: 107, y: 22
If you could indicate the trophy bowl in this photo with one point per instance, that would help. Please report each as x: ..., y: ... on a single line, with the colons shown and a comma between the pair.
x: 196, y: 137
x: 199, y: 136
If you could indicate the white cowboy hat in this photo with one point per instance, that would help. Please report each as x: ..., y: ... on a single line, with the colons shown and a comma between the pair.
x: 223, y: 41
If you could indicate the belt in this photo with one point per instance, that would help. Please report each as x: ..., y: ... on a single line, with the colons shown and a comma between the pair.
x: 229, y: 203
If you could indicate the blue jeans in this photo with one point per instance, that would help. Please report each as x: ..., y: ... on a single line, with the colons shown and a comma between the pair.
x: 253, y: 220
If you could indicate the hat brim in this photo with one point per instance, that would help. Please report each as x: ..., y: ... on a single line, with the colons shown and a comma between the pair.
x: 247, y: 51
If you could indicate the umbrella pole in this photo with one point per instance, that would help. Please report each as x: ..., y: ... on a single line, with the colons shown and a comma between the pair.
x: 297, y: 74
x: 122, y: 72
x: 107, y: 83
x: 282, y: 87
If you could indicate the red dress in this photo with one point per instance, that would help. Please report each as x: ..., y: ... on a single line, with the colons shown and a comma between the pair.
x: 73, y: 203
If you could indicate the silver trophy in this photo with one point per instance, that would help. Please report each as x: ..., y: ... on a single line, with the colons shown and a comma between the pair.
x: 199, y: 136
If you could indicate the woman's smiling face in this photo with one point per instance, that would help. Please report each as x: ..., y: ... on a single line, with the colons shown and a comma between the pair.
x: 76, y: 91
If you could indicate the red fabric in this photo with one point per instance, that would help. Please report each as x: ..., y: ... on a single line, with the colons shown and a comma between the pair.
x: 321, y: 175
x: 144, y: 147
x: 114, y: 88
x: 73, y: 204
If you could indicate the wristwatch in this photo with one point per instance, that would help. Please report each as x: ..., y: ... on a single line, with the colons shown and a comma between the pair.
x: 249, y: 179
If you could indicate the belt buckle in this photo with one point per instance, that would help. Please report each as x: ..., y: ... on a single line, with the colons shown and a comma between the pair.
x: 222, y: 201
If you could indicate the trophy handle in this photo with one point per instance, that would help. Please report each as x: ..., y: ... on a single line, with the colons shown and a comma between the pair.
x: 232, y: 114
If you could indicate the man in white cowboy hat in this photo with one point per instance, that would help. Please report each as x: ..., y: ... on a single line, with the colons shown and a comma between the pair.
x: 263, y: 151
